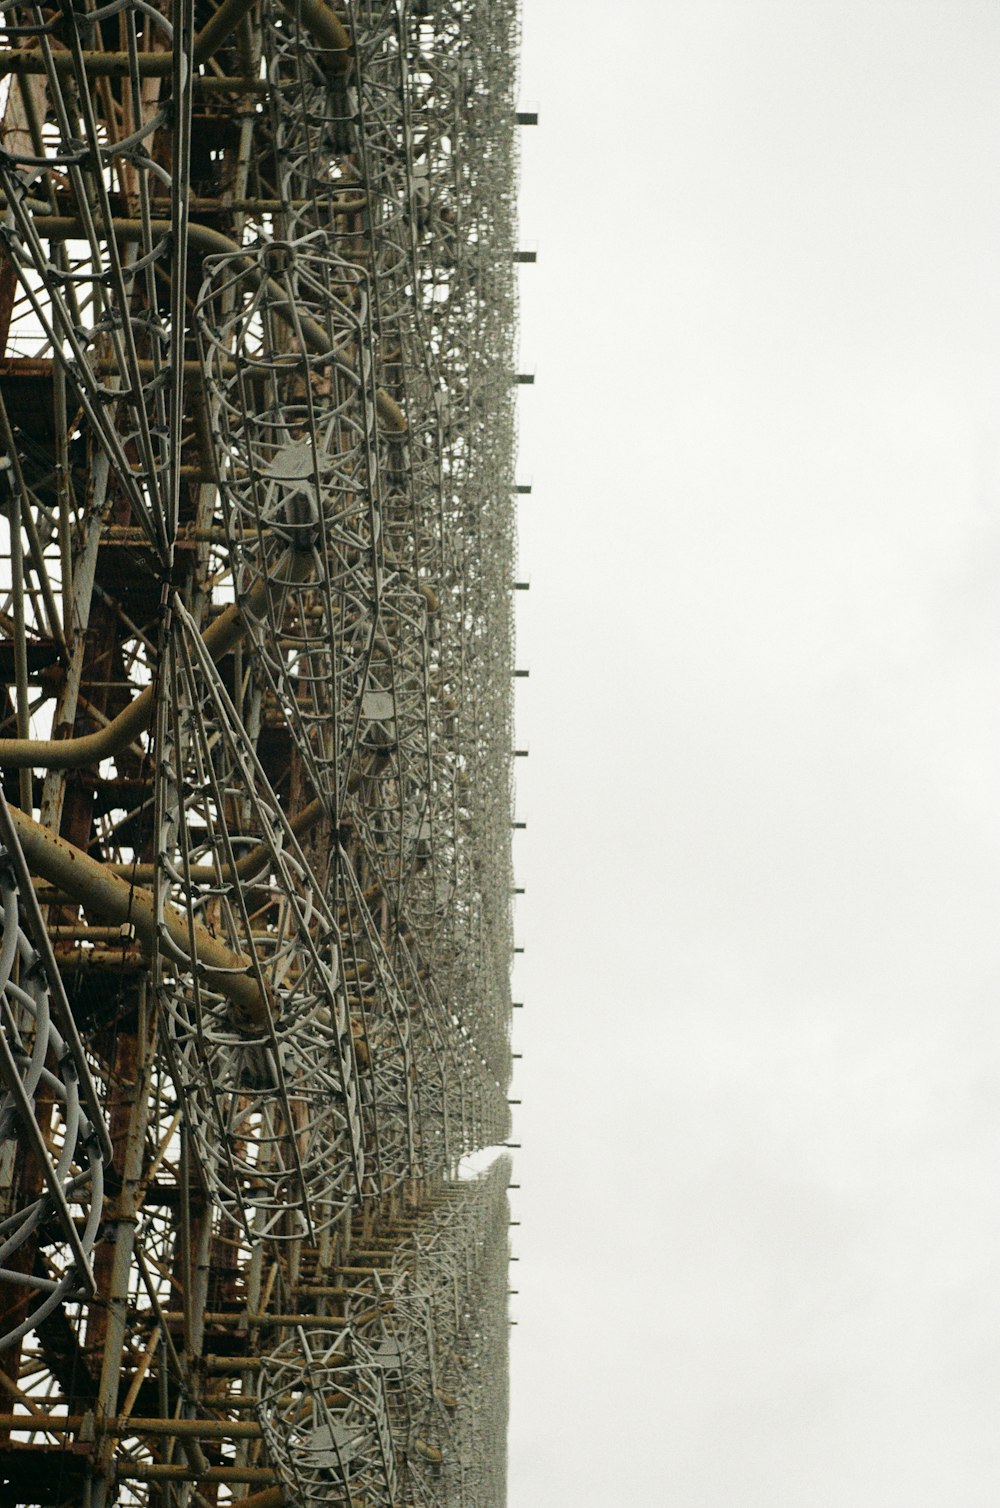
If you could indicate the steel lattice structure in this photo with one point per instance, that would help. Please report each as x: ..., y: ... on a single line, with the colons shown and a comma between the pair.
x: 257, y: 423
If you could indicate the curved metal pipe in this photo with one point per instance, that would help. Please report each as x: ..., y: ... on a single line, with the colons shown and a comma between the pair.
x: 91, y: 882
x: 316, y: 16
x: 90, y: 748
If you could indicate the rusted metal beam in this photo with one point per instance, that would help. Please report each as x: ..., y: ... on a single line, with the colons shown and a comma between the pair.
x: 271, y: 1497
x: 140, y: 1471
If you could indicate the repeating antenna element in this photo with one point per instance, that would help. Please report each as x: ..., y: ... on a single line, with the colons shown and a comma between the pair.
x: 403, y: 1399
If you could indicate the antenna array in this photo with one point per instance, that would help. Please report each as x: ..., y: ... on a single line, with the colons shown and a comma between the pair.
x: 257, y: 375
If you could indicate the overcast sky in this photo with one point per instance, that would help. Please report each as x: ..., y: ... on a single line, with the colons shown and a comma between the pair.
x: 760, y: 1209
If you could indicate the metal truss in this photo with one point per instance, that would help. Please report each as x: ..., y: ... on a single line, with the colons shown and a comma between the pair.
x: 257, y: 428
x: 363, y: 1407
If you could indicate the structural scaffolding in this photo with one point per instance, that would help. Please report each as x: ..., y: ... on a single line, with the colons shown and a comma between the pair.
x: 257, y: 422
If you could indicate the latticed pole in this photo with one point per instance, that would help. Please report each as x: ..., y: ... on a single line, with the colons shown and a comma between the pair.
x: 257, y: 305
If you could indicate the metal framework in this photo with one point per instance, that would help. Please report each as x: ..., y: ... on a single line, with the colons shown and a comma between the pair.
x: 257, y: 303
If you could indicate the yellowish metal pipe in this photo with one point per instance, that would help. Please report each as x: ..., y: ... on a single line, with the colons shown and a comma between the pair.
x: 93, y: 885
x: 245, y: 868
x: 271, y: 1497
x: 90, y: 748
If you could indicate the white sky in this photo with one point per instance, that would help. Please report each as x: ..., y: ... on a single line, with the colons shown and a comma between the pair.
x: 760, y: 1212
